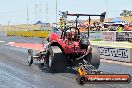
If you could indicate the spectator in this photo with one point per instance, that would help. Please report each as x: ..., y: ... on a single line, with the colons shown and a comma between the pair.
x: 119, y: 28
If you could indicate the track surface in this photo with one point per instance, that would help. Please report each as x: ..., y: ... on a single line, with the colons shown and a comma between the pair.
x: 14, y: 72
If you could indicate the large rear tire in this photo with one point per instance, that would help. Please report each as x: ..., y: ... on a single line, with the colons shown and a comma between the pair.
x: 94, y: 57
x: 56, y: 60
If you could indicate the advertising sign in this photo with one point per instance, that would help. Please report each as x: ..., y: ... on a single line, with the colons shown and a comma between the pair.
x: 123, y: 36
x: 120, y: 54
x: 109, y: 36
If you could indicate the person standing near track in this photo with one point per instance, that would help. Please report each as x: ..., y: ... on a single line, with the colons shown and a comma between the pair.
x: 119, y: 28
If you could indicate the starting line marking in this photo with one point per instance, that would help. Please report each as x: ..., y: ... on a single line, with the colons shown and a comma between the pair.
x: 36, y: 47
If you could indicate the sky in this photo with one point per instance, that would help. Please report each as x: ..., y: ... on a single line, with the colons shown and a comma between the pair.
x: 15, y: 11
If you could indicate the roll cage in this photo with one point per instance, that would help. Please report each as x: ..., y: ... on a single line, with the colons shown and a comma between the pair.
x: 77, y: 31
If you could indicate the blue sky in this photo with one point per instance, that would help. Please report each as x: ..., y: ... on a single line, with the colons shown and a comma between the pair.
x: 15, y: 11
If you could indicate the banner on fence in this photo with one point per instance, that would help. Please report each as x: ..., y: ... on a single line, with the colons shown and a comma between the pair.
x: 123, y: 36
x: 109, y: 36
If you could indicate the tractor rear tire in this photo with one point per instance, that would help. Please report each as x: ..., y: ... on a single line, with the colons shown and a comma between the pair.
x: 56, y: 60
x: 94, y: 57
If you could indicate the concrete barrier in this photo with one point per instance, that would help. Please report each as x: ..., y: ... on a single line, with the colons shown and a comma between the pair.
x: 115, y: 50
x: 10, y: 33
x: 41, y: 34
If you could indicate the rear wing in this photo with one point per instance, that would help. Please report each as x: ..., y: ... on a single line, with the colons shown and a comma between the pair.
x: 102, y: 15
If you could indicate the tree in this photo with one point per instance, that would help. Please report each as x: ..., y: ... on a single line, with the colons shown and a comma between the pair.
x: 126, y: 13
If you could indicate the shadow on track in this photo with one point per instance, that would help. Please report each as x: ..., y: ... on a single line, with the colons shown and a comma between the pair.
x: 67, y: 70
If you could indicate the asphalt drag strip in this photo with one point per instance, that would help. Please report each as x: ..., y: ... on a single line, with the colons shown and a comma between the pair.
x: 14, y: 72
x: 15, y: 59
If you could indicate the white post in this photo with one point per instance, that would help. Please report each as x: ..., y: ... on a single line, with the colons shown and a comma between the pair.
x: 107, y: 10
x: 46, y: 12
x: 27, y: 11
x: 56, y: 10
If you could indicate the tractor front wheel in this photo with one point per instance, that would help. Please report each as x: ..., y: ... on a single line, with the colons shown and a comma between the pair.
x: 56, y: 61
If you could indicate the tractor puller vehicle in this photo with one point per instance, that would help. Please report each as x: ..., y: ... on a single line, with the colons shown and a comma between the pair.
x: 70, y: 49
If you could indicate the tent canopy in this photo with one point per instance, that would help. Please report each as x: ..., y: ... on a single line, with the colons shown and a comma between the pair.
x: 39, y: 22
x: 116, y: 20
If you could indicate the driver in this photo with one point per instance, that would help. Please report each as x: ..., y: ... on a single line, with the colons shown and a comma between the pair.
x: 70, y: 34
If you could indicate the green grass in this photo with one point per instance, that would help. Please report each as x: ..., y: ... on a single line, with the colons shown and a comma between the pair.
x: 97, y: 40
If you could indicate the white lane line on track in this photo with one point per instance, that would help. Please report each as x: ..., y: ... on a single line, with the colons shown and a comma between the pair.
x: 2, y: 41
x: 11, y: 42
x: 23, y: 47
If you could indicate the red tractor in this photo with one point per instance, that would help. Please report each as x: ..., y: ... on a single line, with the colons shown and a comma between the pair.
x: 68, y: 49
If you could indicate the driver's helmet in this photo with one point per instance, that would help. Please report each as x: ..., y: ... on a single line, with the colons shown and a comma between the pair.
x: 70, y: 33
